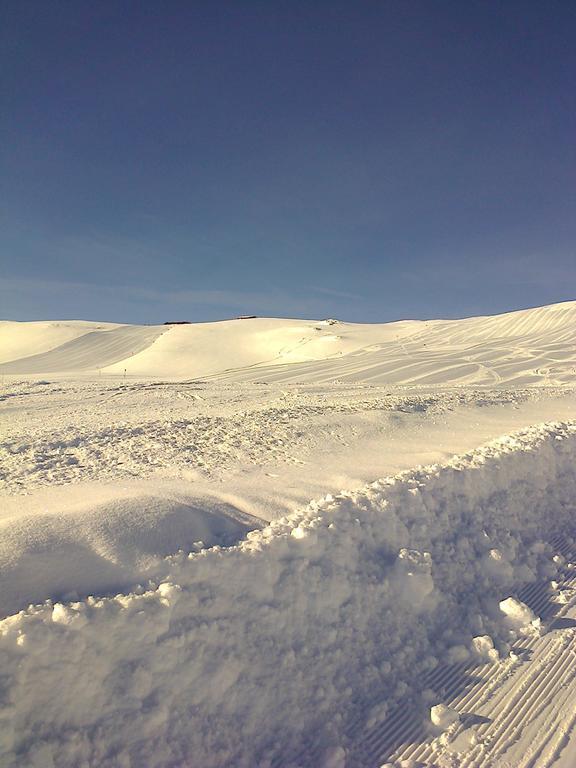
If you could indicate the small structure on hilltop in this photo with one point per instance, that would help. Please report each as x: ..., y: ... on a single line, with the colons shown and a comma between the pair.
x: 177, y: 322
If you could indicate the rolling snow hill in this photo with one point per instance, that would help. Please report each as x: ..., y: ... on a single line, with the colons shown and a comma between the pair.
x: 527, y: 347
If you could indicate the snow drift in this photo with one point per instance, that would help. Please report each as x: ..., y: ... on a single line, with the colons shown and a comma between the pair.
x: 104, y: 539
x: 240, y: 655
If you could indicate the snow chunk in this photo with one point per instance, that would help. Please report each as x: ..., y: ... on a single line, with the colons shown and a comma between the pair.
x: 457, y: 654
x: 519, y: 617
x: 443, y: 716
x: 497, y: 567
x: 69, y: 616
x: 168, y: 592
x: 463, y: 742
x: 413, y: 577
x: 483, y: 647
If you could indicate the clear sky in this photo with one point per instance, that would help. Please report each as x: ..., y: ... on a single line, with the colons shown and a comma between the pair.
x: 369, y: 161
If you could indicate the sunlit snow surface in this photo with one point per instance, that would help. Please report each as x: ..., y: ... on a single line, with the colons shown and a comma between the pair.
x: 533, y: 346
x: 156, y: 487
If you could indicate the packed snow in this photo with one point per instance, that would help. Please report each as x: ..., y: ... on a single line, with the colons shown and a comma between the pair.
x: 185, y: 583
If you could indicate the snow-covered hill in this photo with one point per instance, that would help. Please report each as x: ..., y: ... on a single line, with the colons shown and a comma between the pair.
x: 534, y: 346
x: 237, y: 543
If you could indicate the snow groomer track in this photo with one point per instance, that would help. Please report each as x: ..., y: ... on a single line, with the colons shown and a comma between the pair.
x: 524, y: 705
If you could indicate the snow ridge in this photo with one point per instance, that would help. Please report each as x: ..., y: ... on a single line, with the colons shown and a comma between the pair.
x: 240, y: 655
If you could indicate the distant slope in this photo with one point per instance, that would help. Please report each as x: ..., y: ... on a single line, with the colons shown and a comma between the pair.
x: 91, y: 350
x: 534, y: 346
x: 518, y: 348
x: 19, y: 340
x: 204, y: 349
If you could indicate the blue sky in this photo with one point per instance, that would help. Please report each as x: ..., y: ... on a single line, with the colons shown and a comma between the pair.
x: 364, y: 160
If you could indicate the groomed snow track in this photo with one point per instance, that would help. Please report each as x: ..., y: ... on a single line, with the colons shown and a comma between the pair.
x: 524, y: 704
x: 296, y: 646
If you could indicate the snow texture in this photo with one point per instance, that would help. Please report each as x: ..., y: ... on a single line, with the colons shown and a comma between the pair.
x: 237, y: 655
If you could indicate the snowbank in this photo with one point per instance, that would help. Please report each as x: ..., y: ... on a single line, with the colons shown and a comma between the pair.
x: 243, y: 654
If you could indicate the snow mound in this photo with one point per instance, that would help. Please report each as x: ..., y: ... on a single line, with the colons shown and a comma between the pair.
x: 100, y: 540
x: 362, y: 591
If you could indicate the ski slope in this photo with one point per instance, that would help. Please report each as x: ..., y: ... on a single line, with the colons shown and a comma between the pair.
x: 18, y: 340
x: 98, y: 346
x: 273, y: 543
x: 527, y: 347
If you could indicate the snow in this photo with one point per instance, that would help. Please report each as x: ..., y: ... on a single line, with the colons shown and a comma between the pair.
x: 103, y: 479
x: 443, y: 717
x: 281, y: 627
x: 185, y: 582
x: 521, y: 348
x: 20, y: 340
x: 483, y: 647
x: 102, y: 539
x: 519, y: 617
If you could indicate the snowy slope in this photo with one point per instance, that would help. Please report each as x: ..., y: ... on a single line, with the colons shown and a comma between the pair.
x: 171, y: 596
x: 536, y: 346
x: 90, y: 349
x: 18, y: 340
x: 522, y: 348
